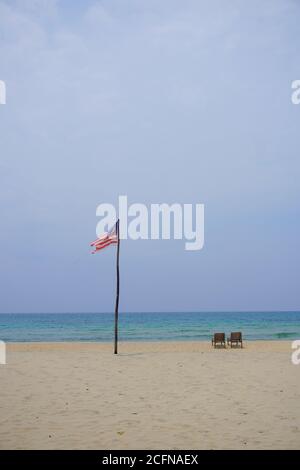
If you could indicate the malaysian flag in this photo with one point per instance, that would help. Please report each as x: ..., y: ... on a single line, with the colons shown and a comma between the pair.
x: 105, y: 240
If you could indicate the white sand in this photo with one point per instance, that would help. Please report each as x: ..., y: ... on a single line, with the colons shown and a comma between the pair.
x: 151, y: 396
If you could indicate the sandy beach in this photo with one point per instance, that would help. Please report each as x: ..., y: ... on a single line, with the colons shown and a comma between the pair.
x: 182, y: 395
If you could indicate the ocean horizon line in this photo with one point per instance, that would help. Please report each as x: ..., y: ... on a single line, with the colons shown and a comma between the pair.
x: 165, y: 312
x: 148, y: 326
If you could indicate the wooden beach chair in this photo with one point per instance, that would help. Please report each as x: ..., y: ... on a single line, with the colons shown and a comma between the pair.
x: 235, y: 338
x: 218, y: 338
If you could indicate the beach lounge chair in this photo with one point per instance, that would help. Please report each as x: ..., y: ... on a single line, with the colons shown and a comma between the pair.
x: 235, y: 338
x: 218, y: 338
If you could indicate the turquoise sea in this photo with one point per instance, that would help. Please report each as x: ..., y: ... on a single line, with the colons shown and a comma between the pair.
x: 182, y: 326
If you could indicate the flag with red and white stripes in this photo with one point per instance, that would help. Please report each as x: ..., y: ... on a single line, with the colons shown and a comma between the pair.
x: 105, y: 240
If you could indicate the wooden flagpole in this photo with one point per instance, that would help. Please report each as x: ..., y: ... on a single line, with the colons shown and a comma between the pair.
x: 118, y: 289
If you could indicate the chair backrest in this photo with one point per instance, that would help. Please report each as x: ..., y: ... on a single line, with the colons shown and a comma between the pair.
x: 219, y: 337
x: 236, y: 336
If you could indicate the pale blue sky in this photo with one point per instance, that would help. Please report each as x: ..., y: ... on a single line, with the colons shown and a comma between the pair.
x: 165, y: 101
